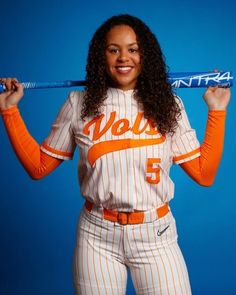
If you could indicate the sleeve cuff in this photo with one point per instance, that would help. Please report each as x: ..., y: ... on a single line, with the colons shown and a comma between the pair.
x: 187, y: 157
x: 56, y: 153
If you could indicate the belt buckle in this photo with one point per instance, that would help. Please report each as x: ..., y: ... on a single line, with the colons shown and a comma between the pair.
x: 122, y: 218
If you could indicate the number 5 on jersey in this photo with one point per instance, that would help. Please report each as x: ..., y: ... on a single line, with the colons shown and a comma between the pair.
x: 153, y: 167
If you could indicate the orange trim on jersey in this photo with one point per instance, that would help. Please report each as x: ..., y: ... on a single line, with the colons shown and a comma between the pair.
x: 182, y: 157
x: 59, y: 153
x: 105, y: 147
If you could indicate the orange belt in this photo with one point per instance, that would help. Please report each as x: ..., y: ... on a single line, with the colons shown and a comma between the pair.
x: 128, y: 217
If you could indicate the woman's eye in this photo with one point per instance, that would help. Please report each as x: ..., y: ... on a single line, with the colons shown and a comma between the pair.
x: 133, y: 50
x: 113, y: 50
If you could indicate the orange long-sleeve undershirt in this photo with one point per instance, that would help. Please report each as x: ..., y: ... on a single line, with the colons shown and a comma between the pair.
x: 38, y: 164
x: 203, y: 169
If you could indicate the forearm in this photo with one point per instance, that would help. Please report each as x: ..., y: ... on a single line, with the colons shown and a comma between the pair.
x: 36, y: 163
x: 203, y: 169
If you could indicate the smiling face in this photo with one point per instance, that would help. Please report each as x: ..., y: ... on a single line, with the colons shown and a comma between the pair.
x: 123, y: 59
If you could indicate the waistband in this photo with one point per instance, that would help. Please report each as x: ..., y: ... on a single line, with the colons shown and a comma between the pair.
x: 124, y: 218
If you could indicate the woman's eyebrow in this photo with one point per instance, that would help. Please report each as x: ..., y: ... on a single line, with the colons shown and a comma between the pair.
x: 114, y: 44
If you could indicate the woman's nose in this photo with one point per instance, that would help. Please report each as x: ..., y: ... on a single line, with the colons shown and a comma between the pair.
x: 123, y: 56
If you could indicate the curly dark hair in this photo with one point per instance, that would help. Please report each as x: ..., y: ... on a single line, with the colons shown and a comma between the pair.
x: 152, y: 89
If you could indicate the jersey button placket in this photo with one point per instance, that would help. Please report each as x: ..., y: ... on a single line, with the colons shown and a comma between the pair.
x: 130, y: 151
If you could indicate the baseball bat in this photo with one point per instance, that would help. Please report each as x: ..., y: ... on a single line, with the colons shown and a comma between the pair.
x: 177, y: 80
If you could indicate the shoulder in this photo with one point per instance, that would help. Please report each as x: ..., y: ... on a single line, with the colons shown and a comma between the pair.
x: 75, y: 99
x: 179, y: 101
x: 75, y: 96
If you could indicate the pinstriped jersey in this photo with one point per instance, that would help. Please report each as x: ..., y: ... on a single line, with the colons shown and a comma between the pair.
x: 124, y: 161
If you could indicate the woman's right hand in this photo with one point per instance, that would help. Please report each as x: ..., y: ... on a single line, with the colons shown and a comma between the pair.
x: 13, y: 93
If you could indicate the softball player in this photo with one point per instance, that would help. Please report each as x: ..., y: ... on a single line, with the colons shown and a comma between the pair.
x: 130, y: 129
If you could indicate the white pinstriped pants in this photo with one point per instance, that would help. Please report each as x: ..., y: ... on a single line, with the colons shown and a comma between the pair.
x: 104, y: 250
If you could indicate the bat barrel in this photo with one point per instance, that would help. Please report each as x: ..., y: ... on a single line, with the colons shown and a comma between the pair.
x: 201, y: 79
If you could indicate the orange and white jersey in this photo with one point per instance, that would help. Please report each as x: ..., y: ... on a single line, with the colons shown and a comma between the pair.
x: 124, y: 160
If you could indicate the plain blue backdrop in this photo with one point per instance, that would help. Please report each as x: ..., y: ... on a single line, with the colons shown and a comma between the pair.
x: 48, y: 41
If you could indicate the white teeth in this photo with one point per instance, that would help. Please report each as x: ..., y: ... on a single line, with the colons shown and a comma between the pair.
x: 124, y: 68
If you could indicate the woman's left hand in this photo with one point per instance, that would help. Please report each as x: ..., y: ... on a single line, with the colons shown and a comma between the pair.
x: 217, y: 98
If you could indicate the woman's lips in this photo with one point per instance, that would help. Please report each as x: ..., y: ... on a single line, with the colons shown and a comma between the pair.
x: 123, y: 70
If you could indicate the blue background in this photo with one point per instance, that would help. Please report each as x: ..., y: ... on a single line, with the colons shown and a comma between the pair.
x: 48, y: 41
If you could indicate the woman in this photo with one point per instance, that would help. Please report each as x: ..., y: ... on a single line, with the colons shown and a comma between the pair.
x: 129, y: 128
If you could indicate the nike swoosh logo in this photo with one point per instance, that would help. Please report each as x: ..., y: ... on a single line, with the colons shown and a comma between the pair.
x: 160, y: 232
x: 105, y: 147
